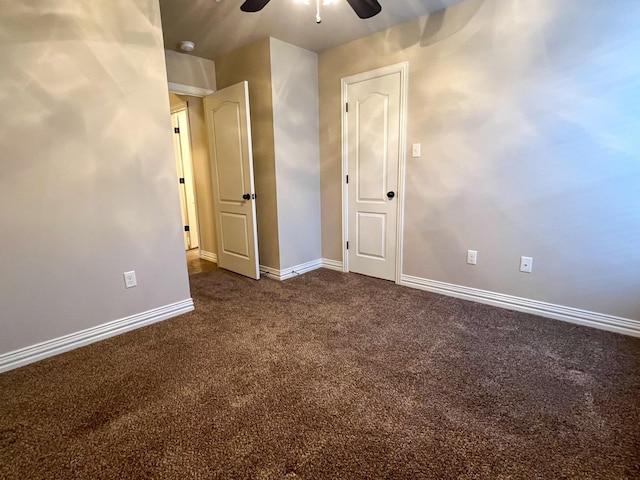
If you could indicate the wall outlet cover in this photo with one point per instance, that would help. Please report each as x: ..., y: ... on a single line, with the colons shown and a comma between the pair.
x: 130, y: 279
x: 526, y: 264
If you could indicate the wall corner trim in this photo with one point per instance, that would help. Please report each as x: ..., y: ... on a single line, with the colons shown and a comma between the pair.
x: 602, y: 321
x: 50, y: 348
x: 332, y: 264
x: 210, y: 257
x: 291, y: 272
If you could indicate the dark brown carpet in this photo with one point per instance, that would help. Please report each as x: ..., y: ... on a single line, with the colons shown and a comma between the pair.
x: 329, y: 376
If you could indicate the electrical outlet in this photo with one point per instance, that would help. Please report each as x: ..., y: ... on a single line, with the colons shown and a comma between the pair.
x: 526, y: 264
x: 472, y: 257
x: 130, y: 279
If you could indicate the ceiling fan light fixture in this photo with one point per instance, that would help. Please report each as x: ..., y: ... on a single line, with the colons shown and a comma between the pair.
x: 319, y: 4
x: 363, y: 8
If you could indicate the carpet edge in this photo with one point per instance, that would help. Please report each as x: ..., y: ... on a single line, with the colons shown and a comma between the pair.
x: 65, y: 343
x: 602, y: 321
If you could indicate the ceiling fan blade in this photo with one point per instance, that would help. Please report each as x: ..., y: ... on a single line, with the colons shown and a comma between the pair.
x: 365, y: 8
x: 253, y: 5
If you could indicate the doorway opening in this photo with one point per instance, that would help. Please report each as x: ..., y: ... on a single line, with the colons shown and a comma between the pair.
x: 219, y: 135
x: 199, y: 240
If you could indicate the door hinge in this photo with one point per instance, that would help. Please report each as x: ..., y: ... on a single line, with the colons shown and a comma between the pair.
x: 347, y: 245
x: 176, y: 130
x: 347, y: 178
x: 182, y: 180
x: 186, y: 228
x: 347, y: 107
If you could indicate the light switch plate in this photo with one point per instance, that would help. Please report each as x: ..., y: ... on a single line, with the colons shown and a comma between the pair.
x: 415, y: 152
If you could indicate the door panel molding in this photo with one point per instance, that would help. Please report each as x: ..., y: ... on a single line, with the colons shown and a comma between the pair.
x: 234, y: 239
x: 371, y: 247
x: 403, y: 70
x: 230, y: 191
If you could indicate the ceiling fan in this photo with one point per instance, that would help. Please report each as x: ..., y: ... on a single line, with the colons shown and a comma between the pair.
x: 363, y: 8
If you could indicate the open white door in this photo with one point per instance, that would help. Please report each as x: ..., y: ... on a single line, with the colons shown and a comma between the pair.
x: 229, y: 130
x: 177, y: 153
x: 186, y: 185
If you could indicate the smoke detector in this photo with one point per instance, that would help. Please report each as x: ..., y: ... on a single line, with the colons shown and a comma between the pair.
x: 187, y: 46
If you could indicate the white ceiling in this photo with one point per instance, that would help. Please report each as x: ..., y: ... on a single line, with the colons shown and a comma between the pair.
x: 218, y: 27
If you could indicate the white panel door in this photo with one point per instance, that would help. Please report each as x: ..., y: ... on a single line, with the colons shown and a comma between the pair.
x: 373, y: 155
x: 177, y: 152
x: 229, y: 130
x: 186, y: 184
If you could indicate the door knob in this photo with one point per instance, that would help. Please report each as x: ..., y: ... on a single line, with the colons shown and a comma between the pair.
x: 246, y: 196
x: 390, y: 195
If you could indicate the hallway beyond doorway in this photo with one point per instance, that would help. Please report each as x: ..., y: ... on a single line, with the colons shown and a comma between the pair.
x: 197, y: 265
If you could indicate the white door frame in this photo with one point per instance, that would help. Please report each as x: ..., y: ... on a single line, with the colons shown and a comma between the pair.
x: 403, y: 69
x: 180, y: 89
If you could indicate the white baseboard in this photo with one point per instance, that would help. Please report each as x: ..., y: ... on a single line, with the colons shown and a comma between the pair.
x: 287, y: 273
x: 211, y: 257
x: 40, y: 351
x: 270, y: 272
x: 332, y: 264
x: 625, y: 326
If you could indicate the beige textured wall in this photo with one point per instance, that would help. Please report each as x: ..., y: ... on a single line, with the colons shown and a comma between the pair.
x: 253, y: 64
x: 294, y: 74
x: 175, y: 101
x: 528, y: 119
x: 190, y: 70
x: 201, y: 168
x: 85, y: 193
